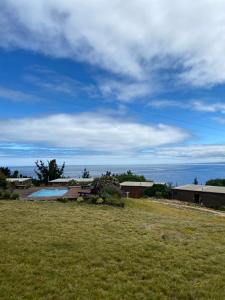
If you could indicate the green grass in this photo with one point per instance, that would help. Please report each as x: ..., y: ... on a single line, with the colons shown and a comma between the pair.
x: 75, y: 251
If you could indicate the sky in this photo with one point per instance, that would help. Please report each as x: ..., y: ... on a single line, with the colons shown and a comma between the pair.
x: 112, y: 82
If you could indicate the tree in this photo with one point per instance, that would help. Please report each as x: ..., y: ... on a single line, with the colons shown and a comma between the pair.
x: 195, y: 181
x: 216, y: 182
x: 158, y: 191
x: 86, y: 174
x: 129, y: 176
x: 6, y: 171
x: 100, y: 183
x: 3, y: 182
x: 9, y: 174
x: 50, y: 171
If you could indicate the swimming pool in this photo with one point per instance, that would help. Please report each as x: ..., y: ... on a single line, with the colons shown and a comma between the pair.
x: 49, y: 193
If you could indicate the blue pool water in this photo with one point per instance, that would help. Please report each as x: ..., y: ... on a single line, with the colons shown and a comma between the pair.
x: 49, y: 193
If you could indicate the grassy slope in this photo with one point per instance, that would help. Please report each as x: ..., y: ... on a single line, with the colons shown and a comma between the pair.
x: 145, y: 251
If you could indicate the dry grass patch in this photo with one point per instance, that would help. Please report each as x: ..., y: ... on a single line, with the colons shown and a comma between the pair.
x: 75, y: 251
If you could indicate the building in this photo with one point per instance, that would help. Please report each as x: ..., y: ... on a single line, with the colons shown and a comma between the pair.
x: 67, y: 181
x: 135, y: 189
x: 210, y: 196
x: 20, y: 182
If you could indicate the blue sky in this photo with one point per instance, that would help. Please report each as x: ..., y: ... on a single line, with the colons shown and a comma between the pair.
x: 112, y: 83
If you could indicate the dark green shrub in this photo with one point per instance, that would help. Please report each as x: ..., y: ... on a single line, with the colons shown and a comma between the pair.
x: 91, y: 199
x: 36, y: 182
x: 63, y: 200
x: 72, y: 182
x: 159, y: 195
x: 112, y: 195
x: 111, y: 190
x: 99, y: 183
x: 3, y: 182
x: 6, y: 195
x: 129, y: 176
x: 158, y: 191
x: 216, y: 182
x: 14, y: 196
x: 115, y: 201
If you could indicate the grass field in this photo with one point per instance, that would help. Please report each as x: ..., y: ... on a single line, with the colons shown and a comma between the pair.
x: 75, y: 251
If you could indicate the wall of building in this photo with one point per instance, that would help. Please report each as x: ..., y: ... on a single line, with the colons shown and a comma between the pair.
x: 134, y: 191
x: 213, y: 200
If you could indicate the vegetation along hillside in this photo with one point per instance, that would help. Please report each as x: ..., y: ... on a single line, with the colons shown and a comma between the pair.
x: 147, y: 250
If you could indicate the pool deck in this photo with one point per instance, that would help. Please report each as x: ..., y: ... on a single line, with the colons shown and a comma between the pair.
x: 73, y: 193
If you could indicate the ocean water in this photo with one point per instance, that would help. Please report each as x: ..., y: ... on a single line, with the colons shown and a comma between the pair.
x: 177, y: 174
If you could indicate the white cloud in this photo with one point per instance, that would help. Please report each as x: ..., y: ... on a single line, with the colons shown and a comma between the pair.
x: 123, y: 91
x: 136, y: 38
x: 90, y: 132
x: 209, y: 107
x: 197, y: 105
x: 15, y: 95
x: 193, y: 152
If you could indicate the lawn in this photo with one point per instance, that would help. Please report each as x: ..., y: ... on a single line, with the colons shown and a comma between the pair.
x: 76, y: 251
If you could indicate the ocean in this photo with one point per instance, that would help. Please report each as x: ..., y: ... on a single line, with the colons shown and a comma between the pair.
x: 176, y: 174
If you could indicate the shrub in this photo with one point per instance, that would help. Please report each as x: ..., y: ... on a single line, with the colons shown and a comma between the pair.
x: 63, y: 200
x: 115, y: 201
x: 129, y: 176
x: 159, y: 195
x: 99, y: 183
x: 6, y: 195
x: 72, y: 182
x: 99, y: 201
x: 216, y: 182
x: 91, y: 199
x: 158, y: 190
x: 111, y: 190
x: 14, y: 196
x: 36, y: 182
x: 112, y: 195
x: 80, y: 199
x: 3, y: 182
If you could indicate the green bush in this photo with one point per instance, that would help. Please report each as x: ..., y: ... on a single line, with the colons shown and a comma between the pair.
x: 112, y: 195
x: 36, y: 182
x: 111, y: 191
x: 158, y: 191
x: 63, y: 200
x: 91, y: 199
x: 216, y: 182
x: 72, y: 183
x: 115, y: 201
x: 14, y: 196
x: 99, y: 201
x: 6, y: 195
x: 3, y: 182
x: 80, y: 199
x: 129, y: 176
x: 99, y: 183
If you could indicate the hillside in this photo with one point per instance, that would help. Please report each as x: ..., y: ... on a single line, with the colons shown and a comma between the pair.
x: 148, y: 250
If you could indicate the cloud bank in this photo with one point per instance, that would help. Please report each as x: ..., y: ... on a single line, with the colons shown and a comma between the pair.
x: 136, y: 38
x: 89, y: 132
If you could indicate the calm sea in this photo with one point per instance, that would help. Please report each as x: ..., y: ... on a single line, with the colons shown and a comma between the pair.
x: 177, y: 174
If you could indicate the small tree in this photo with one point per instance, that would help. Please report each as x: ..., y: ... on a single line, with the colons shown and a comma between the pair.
x: 195, y: 181
x: 50, y: 171
x: 158, y: 191
x: 100, y: 183
x: 129, y: 176
x: 86, y: 174
x: 6, y: 171
x: 3, y: 182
